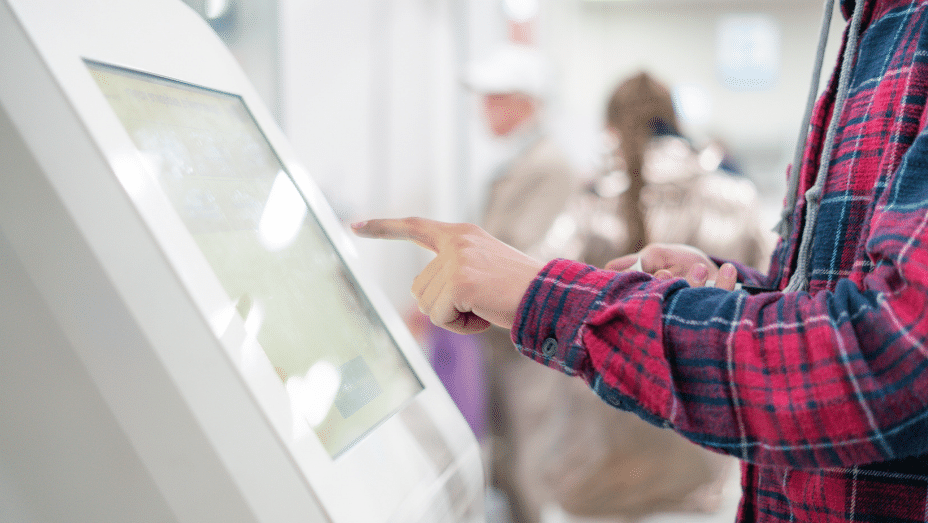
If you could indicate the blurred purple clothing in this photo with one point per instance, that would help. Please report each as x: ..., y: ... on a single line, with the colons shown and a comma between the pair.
x: 458, y: 361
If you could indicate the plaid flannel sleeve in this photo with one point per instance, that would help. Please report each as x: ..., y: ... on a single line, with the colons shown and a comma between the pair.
x: 833, y: 379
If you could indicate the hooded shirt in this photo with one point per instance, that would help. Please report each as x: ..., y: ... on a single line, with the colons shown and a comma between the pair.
x: 822, y: 392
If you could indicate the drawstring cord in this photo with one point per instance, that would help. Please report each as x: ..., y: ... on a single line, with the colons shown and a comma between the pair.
x: 799, y: 281
x: 784, y: 227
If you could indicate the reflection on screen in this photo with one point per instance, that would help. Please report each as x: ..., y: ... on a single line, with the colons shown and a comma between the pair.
x: 342, y: 371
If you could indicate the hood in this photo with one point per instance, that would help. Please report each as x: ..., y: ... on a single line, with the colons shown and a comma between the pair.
x: 847, y: 8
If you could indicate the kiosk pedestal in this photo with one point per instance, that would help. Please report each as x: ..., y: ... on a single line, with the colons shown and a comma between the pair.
x: 185, y: 334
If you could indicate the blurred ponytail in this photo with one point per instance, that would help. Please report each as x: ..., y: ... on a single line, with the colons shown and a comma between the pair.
x: 639, y: 109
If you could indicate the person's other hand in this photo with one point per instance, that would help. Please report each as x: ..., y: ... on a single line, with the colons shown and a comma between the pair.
x: 664, y: 261
x: 474, y: 279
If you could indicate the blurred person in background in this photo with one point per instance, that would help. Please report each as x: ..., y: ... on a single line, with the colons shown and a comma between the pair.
x: 527, y: 192
x: 530, y: 188
x: 589, y: 461
x: 609, y: 465
x: 657, y: 188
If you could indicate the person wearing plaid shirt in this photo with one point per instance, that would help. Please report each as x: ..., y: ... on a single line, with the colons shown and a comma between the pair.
x: 819, y: 384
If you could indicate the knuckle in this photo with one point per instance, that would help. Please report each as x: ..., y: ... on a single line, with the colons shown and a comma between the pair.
x: 413, y: 223
x: 460, y: 245
x: 464, y: 230
x: 470, y: 228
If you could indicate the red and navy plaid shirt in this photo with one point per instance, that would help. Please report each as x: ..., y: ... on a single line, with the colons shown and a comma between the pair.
x: 822, y: 394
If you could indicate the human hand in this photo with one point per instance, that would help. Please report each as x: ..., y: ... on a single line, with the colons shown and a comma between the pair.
x: 474, y: 279
x: 678, y: 261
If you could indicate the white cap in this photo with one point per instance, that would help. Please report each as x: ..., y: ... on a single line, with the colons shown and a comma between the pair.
x: 513, y: 68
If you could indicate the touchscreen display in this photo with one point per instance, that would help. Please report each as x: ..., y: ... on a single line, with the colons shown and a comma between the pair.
x: 342, y: 370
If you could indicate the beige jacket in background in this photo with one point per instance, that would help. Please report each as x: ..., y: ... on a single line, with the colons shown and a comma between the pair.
x: 532, y: 192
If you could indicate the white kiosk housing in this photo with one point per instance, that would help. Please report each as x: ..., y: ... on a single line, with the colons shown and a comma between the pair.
x: 184, y: 331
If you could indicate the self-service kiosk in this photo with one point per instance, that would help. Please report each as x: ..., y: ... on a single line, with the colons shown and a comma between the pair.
x: 185, y: 330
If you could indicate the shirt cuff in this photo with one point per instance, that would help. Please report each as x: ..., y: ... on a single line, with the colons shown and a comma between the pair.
x: 555, y: 307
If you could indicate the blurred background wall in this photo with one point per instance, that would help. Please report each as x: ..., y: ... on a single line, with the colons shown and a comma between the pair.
x: 368, y: 91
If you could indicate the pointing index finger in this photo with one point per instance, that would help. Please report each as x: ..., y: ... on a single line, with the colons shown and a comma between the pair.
x: 421, y: 231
